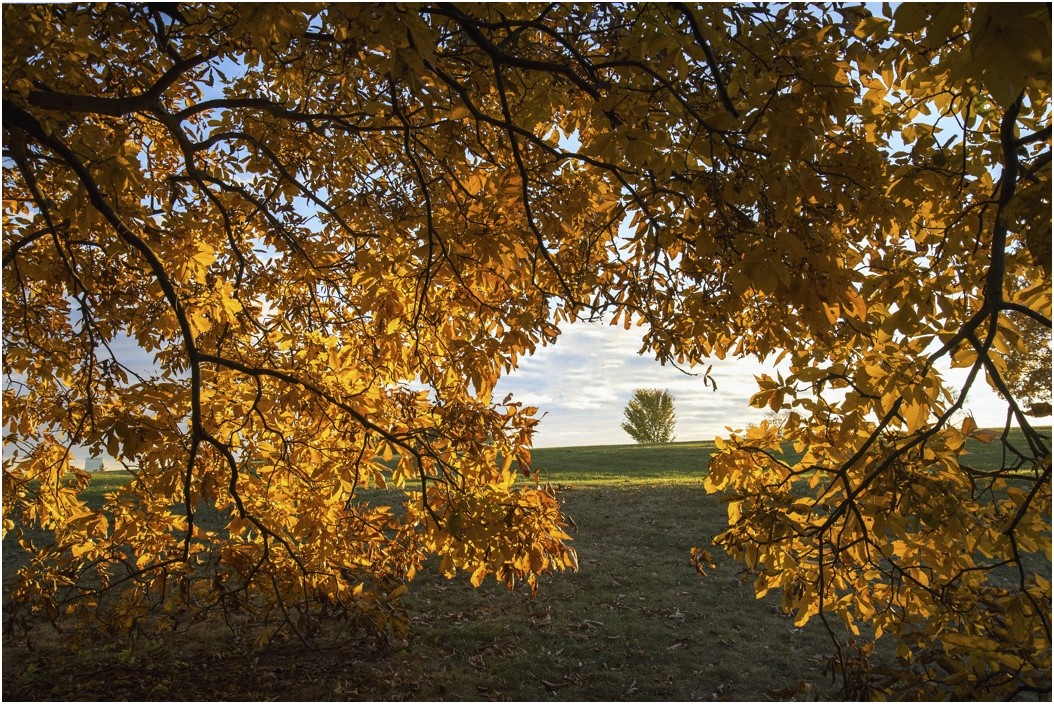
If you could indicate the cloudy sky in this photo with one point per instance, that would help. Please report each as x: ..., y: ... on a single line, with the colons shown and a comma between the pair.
x: 583, y: 382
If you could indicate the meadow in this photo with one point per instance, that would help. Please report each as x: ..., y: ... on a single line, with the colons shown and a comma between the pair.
x: 636, y: 622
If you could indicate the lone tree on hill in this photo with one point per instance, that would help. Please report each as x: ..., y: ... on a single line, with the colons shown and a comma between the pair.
x: 331, y: 228
x: 650, y: 416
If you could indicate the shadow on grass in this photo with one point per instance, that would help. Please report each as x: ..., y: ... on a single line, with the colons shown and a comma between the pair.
x: 635, y: 623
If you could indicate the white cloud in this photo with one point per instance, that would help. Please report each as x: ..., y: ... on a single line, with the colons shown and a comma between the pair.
x: 583, y: 382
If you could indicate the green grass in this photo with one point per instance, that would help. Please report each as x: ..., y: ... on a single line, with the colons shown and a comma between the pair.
x: 103, y: 483
x: 686, y: 462
x: 623, y: 465
x: 634, y: 623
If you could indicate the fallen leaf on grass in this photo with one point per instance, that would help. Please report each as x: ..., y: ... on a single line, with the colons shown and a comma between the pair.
x: 682, y: 642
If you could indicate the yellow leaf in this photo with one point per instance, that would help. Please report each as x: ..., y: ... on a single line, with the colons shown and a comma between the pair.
x: 571, y: 559
x: 985, y: 436
x: 857, y: 306
x: 477, y: 575
x: 915, y: 414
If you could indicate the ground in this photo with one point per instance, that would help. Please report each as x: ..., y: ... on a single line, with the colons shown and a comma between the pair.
x: 635, y: 623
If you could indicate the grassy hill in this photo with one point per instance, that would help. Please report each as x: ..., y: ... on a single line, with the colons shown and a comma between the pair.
x: 682, y: 462
x: 616, y: 464
x: 634, y: 623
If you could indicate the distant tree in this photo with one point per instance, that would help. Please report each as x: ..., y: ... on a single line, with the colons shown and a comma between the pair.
x: 650, y: 416
x: 1028, y: 368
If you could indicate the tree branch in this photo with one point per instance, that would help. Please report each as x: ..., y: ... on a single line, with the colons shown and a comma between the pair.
x: 711, y: 60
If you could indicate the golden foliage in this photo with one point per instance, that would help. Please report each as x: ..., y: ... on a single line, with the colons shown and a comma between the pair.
x: 334, y: 227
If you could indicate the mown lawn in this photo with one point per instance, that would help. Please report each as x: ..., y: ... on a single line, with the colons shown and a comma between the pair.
x: 634, y: 623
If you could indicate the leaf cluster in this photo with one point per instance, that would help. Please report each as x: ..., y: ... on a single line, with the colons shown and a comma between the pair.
x: 273, y: 259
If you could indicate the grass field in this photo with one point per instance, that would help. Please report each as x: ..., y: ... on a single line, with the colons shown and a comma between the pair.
x: 634, y: 623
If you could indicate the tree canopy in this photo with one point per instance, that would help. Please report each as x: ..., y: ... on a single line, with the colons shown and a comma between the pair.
x: 335, y: 226
x: 650, y: 416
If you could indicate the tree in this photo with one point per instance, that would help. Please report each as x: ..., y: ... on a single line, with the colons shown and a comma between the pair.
x: 1028, y: 367
x: 334, y: 227
x: 650, y: 416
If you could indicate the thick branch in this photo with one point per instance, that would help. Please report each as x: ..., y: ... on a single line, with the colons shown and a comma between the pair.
x: 711, y: 61
x: 1008, y: 184
x: 74, y: 103
x: 499, y: 57
x: 28, y: 124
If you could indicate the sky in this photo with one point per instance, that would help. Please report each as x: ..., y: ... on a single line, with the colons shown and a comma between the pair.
x: 583, y: 382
